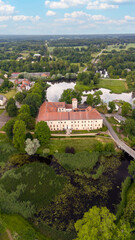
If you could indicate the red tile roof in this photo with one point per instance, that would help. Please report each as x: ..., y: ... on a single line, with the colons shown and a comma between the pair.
x: 48, y: 112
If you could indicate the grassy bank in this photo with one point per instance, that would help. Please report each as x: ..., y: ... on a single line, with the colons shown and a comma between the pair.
x: 20, y: 227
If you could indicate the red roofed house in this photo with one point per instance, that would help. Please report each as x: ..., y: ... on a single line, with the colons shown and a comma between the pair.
x: 62, y: 116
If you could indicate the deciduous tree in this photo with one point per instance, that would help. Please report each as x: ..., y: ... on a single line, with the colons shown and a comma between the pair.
x: 19, y: 132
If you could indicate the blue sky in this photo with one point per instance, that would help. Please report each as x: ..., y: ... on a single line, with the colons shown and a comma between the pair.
x: 67, y: 16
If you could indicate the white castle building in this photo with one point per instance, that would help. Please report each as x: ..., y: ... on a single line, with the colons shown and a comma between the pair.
x: 62, y: 116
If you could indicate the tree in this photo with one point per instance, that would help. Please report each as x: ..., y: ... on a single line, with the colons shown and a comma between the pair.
x: 131, y: 169
x: 99, y: 147
x: 8, y: 128
x: 24, y: 109
x: 20, y: 96
x: 112, y: 106
x: 11, y: 108
x: 90, y: 99
x: 69, y: 94
x: 31, y: 146
x: 109, y: 147
x: 42, y: 132
x: 99, y: 224
x: 34, y: 102
x: 133, y: 114
x: 19, y: 132
x: 96, y: 99
x: 126, y: 108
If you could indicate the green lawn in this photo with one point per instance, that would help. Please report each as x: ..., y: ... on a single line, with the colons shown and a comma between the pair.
x: 81, y: 87
x: 79, y: 144
x: 116, y: 86
x: 116, y: 47
x: 10, y: 94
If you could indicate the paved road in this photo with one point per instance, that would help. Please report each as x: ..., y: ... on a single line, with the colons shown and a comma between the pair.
x: 120, y: 144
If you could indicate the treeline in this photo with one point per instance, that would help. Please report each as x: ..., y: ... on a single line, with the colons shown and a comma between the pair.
x: 54, y: 67
x: 118, y: 63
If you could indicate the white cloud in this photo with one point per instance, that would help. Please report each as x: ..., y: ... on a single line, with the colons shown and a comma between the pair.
x: 65, y: 3
x: 25, y: 18
x: 6, y: 8
x: 4, y: 18
x: 98, y: 18
x: 98, y: 5
x: 50, y: 13
x: 128, y: 18
x: 76, y: 14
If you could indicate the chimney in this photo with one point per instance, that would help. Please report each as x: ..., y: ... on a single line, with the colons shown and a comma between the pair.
x: 74, y: 103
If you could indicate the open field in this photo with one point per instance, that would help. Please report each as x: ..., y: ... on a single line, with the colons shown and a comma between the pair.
x: 10, y: 94
x: 82, y: 144
x: 116, y: 86
x: 116, y: 47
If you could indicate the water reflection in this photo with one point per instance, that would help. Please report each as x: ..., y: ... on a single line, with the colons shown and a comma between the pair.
x: 107, y: 96
x: 55, y: 90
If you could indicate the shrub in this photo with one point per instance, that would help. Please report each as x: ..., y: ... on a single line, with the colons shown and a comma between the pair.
x: 70, y: 150
x: 20, y: 159
x: 125, y: 186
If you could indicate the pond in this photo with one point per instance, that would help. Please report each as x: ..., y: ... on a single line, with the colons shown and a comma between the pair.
x: 107, y: 96
x: 55, y: 90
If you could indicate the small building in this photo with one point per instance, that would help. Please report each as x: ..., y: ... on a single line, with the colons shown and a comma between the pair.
x: 119, y: 118
x: 15, y: 75
x: 3, y: 100
x: 37, y: 55
x: 62, y: 116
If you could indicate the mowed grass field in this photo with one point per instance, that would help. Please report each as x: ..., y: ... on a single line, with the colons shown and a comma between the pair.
x: 82, y: 144
x: 116, y: 47
x: 10, y: 94
x: 116, y: 86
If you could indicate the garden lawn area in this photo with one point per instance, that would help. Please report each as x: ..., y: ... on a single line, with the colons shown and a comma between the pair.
x: 38, y: 182
x: 116, y: 86
x: 17, y: 224
x: 10, y: 94
x: 79, y: 144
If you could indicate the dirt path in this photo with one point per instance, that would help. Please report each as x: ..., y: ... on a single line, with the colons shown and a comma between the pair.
x: 9, y: 234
